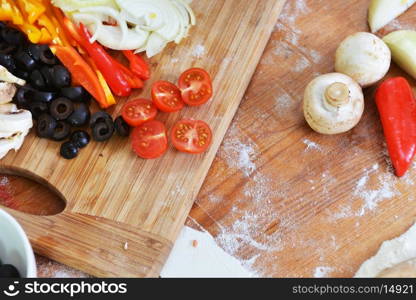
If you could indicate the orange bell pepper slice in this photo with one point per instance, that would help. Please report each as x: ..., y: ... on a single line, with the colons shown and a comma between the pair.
x: 108, y: 94
x: 81, y: 70
x: 65, y: 36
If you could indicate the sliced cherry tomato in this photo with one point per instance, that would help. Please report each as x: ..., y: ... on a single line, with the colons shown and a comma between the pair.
x: 166, y: 96
x: 196, y: 86
x: 150, y: 139
x: 137, y: 112
x: 191, y: 136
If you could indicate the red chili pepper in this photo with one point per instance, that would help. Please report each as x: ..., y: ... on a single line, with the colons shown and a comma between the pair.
x: 114, y: 76
x: 137, y: 64
x: 397, y: 108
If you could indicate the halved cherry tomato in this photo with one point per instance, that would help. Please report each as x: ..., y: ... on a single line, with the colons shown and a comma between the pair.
x: 166, y: 96
x: 150, y: 140
x: 137, y: 112
x: 196, y: 86
x: 191, y: 136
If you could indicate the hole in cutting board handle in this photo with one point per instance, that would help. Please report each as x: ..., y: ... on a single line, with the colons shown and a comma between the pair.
x: 29, y: 194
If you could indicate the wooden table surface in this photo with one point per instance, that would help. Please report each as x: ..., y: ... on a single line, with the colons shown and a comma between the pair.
x: 286, y: 201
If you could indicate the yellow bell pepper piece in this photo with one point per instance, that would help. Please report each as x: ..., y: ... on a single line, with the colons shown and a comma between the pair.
x: 16, y: 16
x: 45, y: 37
x: 32, y: 32
x: 32, y: 9
x: 46, y: 22
x: 6, y: 11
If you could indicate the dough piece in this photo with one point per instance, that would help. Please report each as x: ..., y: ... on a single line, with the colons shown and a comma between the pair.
x: 405, y: 269
x: 391, y: 253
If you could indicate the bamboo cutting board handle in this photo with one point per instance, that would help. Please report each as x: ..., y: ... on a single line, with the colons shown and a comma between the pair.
x: 95, y: 245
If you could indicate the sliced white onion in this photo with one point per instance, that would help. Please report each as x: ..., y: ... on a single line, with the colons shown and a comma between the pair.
x: 92, y: 21
x: 155, y: 44
x: 153, y: 23
x: 74, y: 5
x: 111, y: 12
x: 109, y: 36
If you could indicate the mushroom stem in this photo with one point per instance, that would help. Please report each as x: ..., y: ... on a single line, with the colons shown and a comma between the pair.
x: 337, y: 94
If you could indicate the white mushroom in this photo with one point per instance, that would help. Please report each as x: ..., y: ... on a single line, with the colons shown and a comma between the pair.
x: 333, y: 103
x: 7, y: 92
x: 364, y: 57
x: 15, y: 121
x: 13, y: 142
x: 6, y: 76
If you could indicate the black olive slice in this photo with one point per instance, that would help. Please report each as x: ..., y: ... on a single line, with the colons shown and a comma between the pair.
x: 37, y: 80
x: 7, y: 61
x: 100, y: 117
x: 69, y: 150
x: 24, y: 96
x: 61, y: 77
x: 46, y: 97
x: 45, y: 126
x: 102, y: 131
x: 80, y: 138
x: 76, y: 93
x: 13, y: 36
x: 38, y: 108
x: 80, y: 116
x: 24, y: 61
x: 36, y: 50
x: 62, y: 131
x: 61, y: 108
x: 47, y: 57
x: 6, y: 48
x: 122, y: 128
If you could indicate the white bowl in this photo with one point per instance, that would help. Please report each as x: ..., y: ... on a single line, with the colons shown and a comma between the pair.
x: 15, y: 248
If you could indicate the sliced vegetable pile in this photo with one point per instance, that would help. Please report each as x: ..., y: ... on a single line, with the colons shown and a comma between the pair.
x: 67, y: 64
x: 140, y: 25
x: 333, y: 103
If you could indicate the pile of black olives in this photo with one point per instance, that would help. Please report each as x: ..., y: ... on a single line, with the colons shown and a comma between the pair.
x: 8, y: 271
x: 59, y: 109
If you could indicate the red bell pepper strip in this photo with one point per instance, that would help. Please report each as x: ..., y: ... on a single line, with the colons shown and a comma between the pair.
x: 105, y: 63
x: 397, y: 108
x: 134, y: 80
x: 137, y: 64
x: 114, y: 76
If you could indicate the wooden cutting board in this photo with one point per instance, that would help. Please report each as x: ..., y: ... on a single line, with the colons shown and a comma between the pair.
x: 292, y: 203
x: 122, y: 213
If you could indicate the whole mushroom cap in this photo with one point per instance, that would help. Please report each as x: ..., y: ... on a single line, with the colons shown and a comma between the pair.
x: 333, y: 103
x: 364, y: 57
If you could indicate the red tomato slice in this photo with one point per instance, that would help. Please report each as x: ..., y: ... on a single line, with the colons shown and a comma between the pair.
x: 166, y: 96
x: 196, y: 86
x: 137, y: 112
x: 149, y: 140
x: 191, y: 136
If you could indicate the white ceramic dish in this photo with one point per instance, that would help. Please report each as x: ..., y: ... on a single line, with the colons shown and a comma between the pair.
x: 15, y: 248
